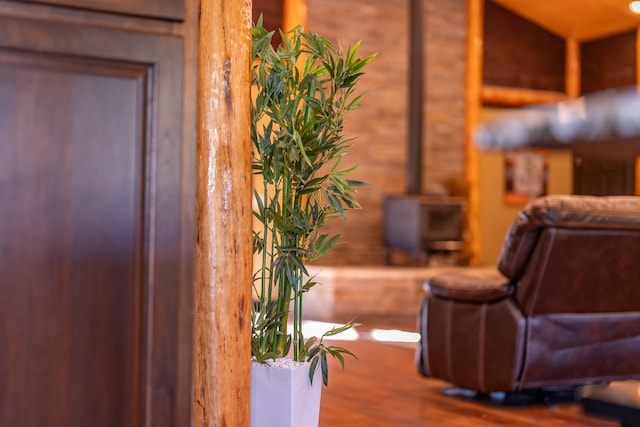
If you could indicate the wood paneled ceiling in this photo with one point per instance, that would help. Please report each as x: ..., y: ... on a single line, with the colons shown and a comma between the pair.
x: 578, y: 19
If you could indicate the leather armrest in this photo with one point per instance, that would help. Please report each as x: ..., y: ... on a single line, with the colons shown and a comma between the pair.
x: 467, y: 288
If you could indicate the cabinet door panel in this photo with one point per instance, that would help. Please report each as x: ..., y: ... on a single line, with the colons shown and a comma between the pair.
x: 91, y: 223
x: 166, y: 9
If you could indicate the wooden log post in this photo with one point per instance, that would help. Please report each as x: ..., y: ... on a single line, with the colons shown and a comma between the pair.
x: 222, y: 299
x: 638, y: 57
x: 475, y: 12
x: 637, y: 186
x: 572, y: 68
x: 294, y: 13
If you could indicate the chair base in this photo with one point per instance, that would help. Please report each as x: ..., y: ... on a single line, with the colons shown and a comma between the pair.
x: 617, y: 400
x: 546, y: 396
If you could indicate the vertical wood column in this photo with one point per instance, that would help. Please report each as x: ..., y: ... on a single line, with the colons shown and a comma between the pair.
x: 637, y: 183
x: 638, y: 56
x: 572, y: 68
x: 294, y: 13
x: 473, y: 101
x: 222, y: 313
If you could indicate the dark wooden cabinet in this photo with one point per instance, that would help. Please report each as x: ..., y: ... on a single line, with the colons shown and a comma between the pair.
x: 602, y: 176
x: 96, y: 223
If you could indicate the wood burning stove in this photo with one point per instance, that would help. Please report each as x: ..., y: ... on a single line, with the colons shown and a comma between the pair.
x: 422, y: 225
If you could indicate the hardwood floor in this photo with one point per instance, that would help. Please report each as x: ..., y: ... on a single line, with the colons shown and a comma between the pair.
x: 383, y: 388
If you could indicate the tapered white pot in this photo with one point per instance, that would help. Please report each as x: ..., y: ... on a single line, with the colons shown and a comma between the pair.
x: 284, y: 396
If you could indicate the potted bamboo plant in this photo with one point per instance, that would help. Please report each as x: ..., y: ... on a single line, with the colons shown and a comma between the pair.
x: 301, y: 92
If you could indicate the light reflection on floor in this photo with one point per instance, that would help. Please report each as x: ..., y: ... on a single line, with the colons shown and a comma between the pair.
x: 311, y: 328
x: 394, y: 336
x: 315, y: 328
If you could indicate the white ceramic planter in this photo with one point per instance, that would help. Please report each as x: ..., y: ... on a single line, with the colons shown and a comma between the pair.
x: 284, y: 397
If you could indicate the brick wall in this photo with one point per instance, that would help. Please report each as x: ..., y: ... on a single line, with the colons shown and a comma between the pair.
x: 381, y: 124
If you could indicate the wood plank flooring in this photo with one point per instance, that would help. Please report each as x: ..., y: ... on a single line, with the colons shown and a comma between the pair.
x: 383, y: 388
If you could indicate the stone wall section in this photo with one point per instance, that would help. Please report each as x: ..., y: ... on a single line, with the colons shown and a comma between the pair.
x: 381, y: 124
x: 444, y: 92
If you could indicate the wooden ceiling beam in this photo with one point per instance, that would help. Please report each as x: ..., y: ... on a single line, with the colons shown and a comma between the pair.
x: 518, y: 97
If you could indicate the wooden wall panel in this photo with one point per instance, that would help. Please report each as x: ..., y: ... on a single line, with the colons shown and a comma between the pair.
x: 72, y: 259
x: 166, y: 9
x: 272, y: 12
x: 609, y: 62
x: 518, y: 53
x: 96, y: 230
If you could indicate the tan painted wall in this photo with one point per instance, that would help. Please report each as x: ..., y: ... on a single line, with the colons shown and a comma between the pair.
x: 495, y: 215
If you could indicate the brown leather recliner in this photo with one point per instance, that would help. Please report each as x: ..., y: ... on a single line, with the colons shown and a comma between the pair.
x: 565, y: 313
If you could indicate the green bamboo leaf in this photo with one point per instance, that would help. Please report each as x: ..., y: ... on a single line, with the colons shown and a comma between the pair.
x: 322, y: 246
x: 339, y: 184
x: 334, y: 203
x: 310, y: 342
x: 338, y: 329
x: 360, y: 63
x: 342, y: 350
x: 352, y: 52
x: 309, y: 190
x: 308, y: 285
x: 287, y: 345
x: 354, y: 183
x: 325, y: 368
x: 312, y: 369
x: 313, y: 352
x: 337, y: 355
x: 351, y: 79
x: 298, y: 140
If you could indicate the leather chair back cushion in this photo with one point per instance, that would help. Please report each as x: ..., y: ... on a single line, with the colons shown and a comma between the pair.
x: 563, y: 211
x: 582, y: 271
